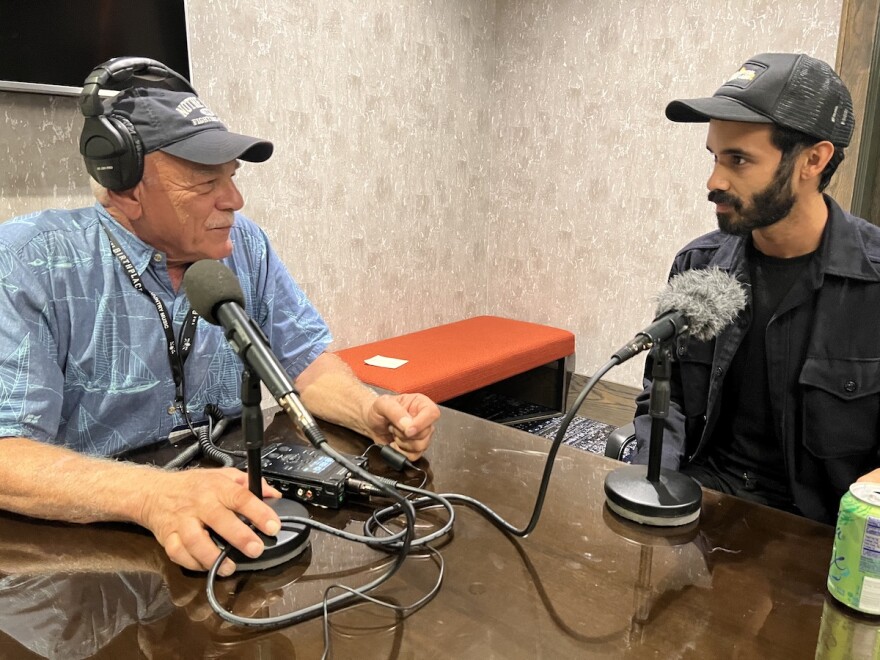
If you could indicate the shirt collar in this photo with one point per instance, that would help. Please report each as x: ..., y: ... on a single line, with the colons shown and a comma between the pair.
x: 138, y: 252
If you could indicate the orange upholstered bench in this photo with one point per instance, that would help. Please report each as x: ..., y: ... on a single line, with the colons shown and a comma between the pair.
x: 460, y: 364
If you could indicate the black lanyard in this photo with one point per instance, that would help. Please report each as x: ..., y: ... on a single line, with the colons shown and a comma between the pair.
x: 176, y: 358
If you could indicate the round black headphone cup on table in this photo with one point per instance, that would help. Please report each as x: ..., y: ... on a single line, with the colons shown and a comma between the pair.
x: 111, y: 147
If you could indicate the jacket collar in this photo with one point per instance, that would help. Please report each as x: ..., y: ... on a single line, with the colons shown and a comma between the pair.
x: 841, y: 252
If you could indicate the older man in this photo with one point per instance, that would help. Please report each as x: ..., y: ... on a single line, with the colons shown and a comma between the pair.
x: 89, y: 368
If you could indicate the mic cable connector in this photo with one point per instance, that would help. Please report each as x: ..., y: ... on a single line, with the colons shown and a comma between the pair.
x: 358, y: 486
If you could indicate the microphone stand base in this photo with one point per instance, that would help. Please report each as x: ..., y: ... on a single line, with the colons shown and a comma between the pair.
x: 671, y: 501
x: 289, y: 544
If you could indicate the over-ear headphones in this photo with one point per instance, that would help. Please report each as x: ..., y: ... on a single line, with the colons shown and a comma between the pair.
x: 112, y: 149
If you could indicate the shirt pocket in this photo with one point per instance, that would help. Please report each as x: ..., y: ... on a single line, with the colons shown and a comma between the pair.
x: 841, y: 404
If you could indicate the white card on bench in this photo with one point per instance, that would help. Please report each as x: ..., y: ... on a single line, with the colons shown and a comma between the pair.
x: 386, y: 362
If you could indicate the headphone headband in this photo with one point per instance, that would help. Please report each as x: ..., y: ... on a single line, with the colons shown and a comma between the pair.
x: 117, y: 73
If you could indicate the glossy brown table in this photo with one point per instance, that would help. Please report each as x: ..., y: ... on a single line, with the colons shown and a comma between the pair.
x: 745, y: 582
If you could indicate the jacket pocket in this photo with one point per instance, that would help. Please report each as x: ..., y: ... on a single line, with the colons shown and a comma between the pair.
x: 695, y: 363
x: 841, y: 406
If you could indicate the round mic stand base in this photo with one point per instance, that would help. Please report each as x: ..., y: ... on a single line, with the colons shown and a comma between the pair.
x: 289, y: 544
x: 673, y: 500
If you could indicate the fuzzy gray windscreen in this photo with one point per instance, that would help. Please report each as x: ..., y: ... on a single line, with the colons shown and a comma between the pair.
x: 709, y: 298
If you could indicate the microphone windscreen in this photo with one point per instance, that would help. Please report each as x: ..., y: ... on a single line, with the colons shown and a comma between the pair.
x: 709, y: 298
x: 208, y: 284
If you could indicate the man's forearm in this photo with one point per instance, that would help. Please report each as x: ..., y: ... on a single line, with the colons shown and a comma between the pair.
x: 45, y: 481
x: 331, y: 391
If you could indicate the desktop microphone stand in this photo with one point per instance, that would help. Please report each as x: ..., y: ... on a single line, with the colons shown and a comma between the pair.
x: 653, y: 495
x: 252, y: 429
x: 293, y: 537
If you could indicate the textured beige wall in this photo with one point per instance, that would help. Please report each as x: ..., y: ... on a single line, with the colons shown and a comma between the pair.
x: 40, y: 165
x: 441, y: 159
x: 378, y: 195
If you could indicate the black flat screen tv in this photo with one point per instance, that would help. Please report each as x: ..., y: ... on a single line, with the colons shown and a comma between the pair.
x: 50, y: 46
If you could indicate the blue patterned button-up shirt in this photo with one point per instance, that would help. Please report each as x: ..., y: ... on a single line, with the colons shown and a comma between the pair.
x: 83, y: 359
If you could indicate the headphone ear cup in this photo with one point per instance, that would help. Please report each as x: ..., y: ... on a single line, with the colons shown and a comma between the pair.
x: 112, y: 151
x: 110, y: 145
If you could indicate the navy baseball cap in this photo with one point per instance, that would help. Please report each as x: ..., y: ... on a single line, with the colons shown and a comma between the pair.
x: 180, y: 124
x: 791, y: 90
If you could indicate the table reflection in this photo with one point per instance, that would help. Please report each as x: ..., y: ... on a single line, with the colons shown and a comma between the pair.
x: 845, y: 634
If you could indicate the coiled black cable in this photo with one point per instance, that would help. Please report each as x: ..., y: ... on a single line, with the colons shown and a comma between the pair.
x: 206, y: 436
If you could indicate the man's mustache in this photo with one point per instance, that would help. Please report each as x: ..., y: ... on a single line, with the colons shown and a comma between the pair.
x: 721, y: 197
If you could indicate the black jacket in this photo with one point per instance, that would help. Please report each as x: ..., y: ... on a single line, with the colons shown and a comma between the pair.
x: 823, y: 353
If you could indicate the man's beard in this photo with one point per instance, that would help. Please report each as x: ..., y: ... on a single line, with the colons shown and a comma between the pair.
x: 768, y: 206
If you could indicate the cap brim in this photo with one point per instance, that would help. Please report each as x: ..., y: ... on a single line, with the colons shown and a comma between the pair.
x: 715, y: 107
x: 215, y: 147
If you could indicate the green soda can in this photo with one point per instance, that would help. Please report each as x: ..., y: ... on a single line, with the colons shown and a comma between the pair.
x: 854, y: 573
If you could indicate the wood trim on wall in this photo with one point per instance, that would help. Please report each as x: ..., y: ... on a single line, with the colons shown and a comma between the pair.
x: 856, y: 47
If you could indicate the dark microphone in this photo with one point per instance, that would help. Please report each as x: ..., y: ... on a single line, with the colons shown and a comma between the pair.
x: 700, y: 303
x: 214, y: 292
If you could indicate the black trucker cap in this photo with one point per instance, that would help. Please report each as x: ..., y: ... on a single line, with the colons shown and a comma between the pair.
x: 788, y: 89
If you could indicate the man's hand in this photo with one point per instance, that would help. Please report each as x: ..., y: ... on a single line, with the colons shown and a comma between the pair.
x: 404, y: 421
x: 873, y: 477
x: 179, y: 507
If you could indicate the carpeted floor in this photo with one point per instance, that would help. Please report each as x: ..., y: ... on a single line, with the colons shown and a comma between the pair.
x: 583, y: 433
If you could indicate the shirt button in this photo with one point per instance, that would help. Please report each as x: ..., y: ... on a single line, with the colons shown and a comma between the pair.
x: 171, y: 410
x: 719, y: 371
x: 850, y: 386
x: 157, y: 257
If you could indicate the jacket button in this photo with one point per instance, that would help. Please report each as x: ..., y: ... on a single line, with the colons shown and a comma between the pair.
x: 718, y: 371
x: 850, y: 386
x: 681, y: 350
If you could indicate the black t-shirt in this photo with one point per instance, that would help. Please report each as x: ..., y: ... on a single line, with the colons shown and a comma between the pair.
x: 748, y: 453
